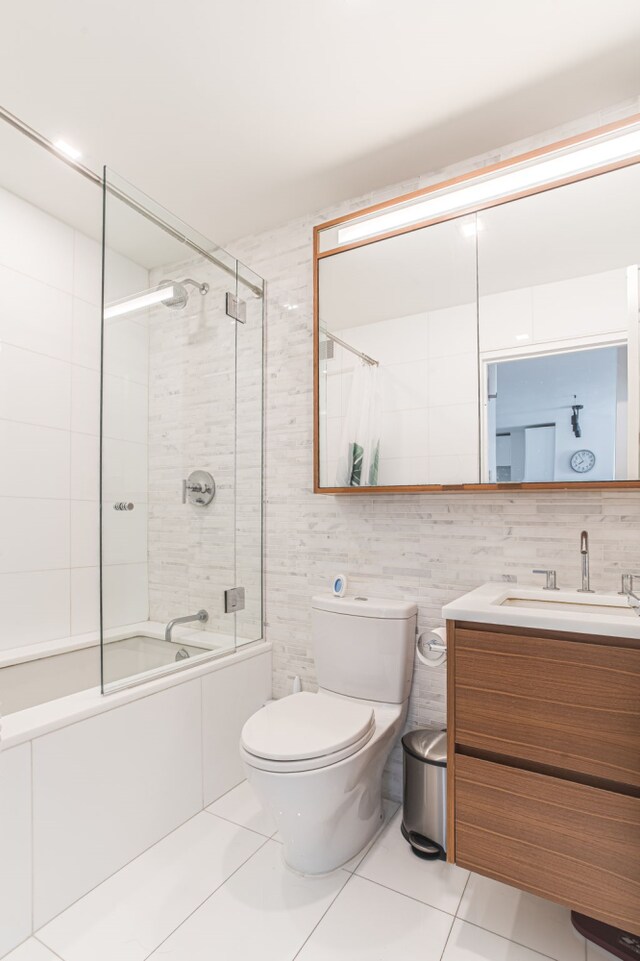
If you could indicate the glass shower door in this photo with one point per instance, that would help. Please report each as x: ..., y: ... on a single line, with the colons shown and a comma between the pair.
x: 168, y: 443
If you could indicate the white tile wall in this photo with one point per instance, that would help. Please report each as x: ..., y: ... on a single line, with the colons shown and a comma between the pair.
x: 222, y: 721
x: 107, y: 788
x: 15, y: 846
x: 430, y: 548
x: 50, y: 290
x: 202, y: 372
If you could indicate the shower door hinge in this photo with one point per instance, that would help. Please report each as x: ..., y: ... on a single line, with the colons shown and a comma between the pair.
x: 236, y: 308
x: 234, y: 600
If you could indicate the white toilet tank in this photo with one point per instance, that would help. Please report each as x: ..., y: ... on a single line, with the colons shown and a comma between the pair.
x: 364, y: 646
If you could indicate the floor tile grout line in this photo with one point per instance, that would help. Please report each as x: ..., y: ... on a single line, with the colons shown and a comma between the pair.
x: 210, y: 895
x: 225, y: 793
x: 464, y: 891
x: 455, y: 917
x: 267, y: 837
x: 122, y: 867
x: 409, y: 897
x: 46, y: 946
x: 527, y: 947
x: 323, y: 916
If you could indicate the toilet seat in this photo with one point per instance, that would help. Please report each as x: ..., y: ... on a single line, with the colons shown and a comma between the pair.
x: 306, y: 731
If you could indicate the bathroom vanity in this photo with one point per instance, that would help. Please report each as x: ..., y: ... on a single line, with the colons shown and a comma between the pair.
x: 544, y: 745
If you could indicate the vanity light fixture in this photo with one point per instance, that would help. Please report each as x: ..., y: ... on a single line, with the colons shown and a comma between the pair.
x: 527, y: 175
x: 67, y: 149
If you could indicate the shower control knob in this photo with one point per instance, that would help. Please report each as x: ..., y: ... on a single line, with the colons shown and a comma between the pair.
x: 123, y: 506
x: 199, y: 488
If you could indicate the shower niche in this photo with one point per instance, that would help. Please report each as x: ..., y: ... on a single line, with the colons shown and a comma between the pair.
x: 493, y: 344
x: 181, y: 441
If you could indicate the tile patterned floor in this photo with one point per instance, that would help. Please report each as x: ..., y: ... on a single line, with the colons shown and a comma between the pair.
x: 217, y: 888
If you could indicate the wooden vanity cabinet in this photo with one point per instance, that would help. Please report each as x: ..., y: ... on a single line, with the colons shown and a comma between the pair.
x: 544, y: 765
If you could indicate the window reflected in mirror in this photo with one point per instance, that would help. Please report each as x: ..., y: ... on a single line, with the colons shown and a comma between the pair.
x: 559, y: 417
x: 558, y: 333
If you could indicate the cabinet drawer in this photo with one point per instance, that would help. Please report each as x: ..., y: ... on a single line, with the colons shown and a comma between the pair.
x: 563, y: 703
x: 568, y: 842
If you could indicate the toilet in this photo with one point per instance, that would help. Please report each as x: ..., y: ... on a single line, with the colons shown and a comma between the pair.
x: 316, y: 760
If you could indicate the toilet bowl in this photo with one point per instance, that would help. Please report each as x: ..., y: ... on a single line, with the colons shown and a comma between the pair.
x: 316, y: 760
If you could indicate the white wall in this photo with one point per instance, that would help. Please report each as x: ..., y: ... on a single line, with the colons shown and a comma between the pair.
x: 574, y: 309
x: 50, y: 288
x: 427, y: 547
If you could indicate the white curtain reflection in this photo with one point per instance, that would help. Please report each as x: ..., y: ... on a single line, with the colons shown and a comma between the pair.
x: 359, y: 454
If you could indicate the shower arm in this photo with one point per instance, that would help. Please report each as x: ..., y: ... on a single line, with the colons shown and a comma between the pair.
x: 203, y: 288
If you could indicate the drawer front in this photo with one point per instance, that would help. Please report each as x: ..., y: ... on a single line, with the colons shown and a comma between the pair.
x: 568, y: 704
x: 568, y: 842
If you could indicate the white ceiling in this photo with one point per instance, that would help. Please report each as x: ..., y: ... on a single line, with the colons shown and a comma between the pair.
x: 239, y: 115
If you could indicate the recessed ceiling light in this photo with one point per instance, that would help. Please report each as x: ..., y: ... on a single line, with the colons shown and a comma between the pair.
x: 67, y: 149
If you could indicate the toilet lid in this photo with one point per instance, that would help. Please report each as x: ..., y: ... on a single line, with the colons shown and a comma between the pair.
x: 306, y: 725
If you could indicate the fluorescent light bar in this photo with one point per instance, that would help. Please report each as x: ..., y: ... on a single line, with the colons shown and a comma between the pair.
x: 533, y: 174
x: 67, y: 149
x: 139, y: 301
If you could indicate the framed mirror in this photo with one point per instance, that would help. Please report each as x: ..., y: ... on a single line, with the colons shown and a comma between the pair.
x: 493, y: 345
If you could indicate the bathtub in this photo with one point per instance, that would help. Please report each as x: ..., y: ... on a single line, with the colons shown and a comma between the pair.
x: 133, y: 654
x: 89, y: 781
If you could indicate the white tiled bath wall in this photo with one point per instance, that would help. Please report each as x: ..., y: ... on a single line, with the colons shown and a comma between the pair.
x: 50, y: 289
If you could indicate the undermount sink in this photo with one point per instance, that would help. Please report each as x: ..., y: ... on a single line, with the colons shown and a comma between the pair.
x: 588, y: 605
x: 532, y: 607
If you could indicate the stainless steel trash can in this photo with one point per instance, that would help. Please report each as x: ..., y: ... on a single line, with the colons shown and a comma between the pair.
x: 424, y: 815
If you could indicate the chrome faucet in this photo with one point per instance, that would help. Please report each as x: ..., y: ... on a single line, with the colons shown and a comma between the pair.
x: 202, y: 615
x: 584, y: 552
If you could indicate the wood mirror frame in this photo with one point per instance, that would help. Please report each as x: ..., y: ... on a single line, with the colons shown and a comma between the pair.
x: 318, y: 255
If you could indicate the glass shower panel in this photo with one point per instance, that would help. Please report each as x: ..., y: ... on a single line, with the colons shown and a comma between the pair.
x: 168, y: 442
x: 249, y: 467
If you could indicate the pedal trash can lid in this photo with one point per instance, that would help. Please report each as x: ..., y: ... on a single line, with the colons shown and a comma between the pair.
x: 427, y: 744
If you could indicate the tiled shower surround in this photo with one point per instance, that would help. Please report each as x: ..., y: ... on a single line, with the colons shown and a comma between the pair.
x: 426, y: 547
x: 205, y: 412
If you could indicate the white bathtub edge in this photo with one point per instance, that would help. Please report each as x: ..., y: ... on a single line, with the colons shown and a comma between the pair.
x: 43, y: 718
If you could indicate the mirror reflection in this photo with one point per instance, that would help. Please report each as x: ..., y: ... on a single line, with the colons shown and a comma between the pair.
x: 398, y: 360
x: 499, y: 347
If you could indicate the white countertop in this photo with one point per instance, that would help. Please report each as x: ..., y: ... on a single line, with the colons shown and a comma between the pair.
x: 605, y: 614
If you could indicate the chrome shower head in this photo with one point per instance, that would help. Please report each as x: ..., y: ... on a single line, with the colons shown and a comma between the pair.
x: 180, y: 297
